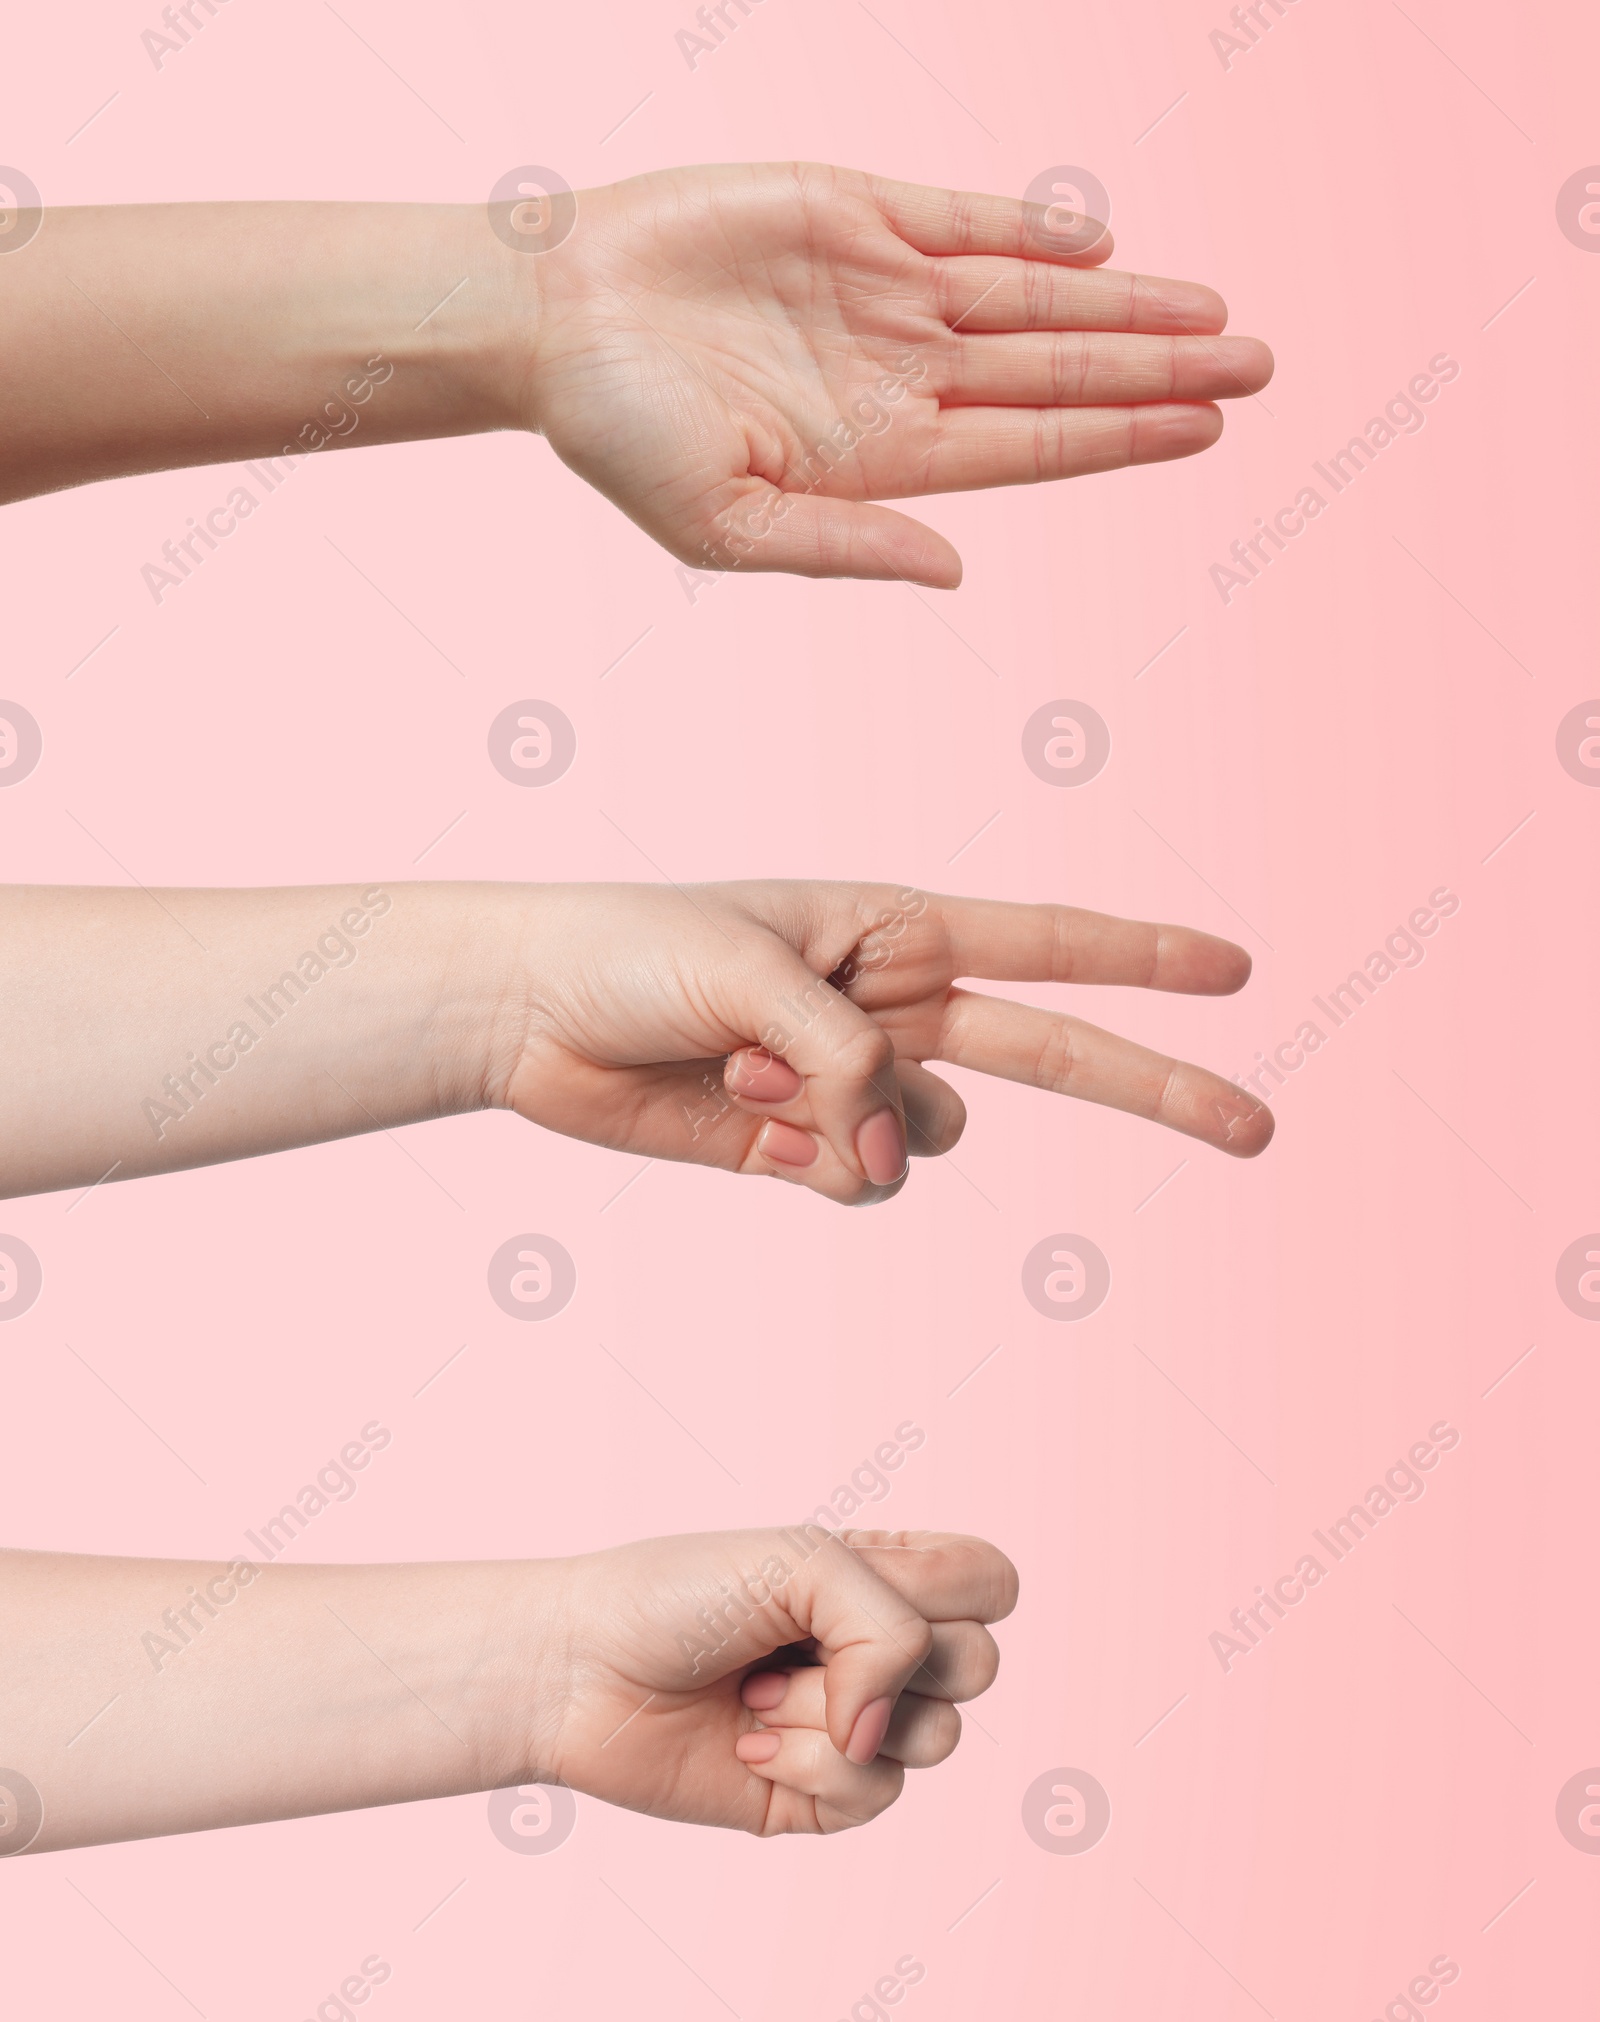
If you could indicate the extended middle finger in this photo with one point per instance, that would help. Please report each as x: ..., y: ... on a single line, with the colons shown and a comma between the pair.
x: 1093, y: 368
x: 1067, y: 1056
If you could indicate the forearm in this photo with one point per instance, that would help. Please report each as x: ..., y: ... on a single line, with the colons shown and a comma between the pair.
x: 148, y: 336
x: 142, y: 1697
x: 148, y: 1031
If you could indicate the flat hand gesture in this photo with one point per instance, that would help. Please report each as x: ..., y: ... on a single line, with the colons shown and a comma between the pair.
x: 742, y: 357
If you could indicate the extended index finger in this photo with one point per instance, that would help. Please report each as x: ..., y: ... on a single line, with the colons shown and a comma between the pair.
x: 1007, y: 942
x: 944, y: 222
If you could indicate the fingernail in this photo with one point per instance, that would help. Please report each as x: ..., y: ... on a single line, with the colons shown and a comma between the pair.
x: 866, y: 1737
x: 757, y: 1747
x: 785, y: 1145
x: 763, y: 1690
x: 881, y: 1148
x: 760, y: 1076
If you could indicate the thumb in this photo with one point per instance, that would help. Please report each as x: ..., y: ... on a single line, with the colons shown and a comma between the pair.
x: 807, y: 534
x: 871, y: 1639
x: 847, y: 1063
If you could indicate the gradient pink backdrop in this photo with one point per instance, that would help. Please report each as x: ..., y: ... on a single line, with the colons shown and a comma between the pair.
x: 1299, y: 770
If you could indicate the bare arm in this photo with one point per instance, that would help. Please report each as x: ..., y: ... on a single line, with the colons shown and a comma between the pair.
x: 744, y: 358
x: 149, y: 336
x: 772, y: 1029
x: 246, y: 1692
x: 141, y: 1697
x: 143, y: 1033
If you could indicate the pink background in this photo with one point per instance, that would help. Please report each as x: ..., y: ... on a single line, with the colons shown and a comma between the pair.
x: 1304, y: 766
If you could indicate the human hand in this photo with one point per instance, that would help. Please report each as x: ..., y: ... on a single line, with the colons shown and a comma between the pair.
x: 776, y: 1029
x: 769, y: 1680
x: 695, y: 1024
x: 772, y: 1681
x: 742, y: 357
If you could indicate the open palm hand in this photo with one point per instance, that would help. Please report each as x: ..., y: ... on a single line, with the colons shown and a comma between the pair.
x: 743, y: 358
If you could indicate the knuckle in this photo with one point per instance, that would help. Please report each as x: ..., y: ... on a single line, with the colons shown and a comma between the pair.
x: 867, y: 1054
x: 1062, y: 950
x: 1056, y: 1061
x: 1038, y: 296
x: 813, y: 1754
x: 917, y: 1638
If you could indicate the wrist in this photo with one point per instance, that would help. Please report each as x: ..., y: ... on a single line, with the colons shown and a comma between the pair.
x: 517, y: 1694
x: 514, y: 927
x: 424, y: 290
x: 458, y: 312
x: 453, y: 313
x: 484, y: 334
x: 535, y: 259
x: 454, y: 1003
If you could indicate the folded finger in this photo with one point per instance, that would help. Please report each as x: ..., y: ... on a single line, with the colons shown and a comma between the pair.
x: 1066, y: 1056
x: 974, y: 448
x: 755, y: 1075
x: 963, y: 1661
x: 873, y: 1637
x: 847, y: 1062
x: 1097, y: 369
x: 935, y: 1115
x: 922, y: 1731
x: 791, y: 1138
x: 997, y: 294
x: 803, y: 1760
x: 682, y: 1110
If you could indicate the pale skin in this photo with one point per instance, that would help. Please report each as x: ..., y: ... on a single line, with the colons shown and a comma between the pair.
x: 768, y: 1681
x: 746, y: 361
x: 149, y: 1031
x: 689, y: 347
